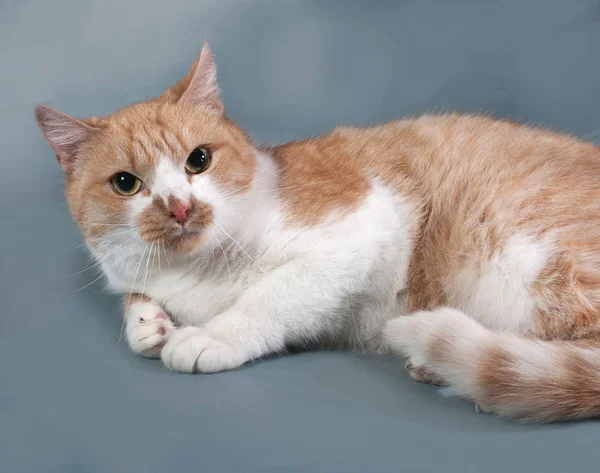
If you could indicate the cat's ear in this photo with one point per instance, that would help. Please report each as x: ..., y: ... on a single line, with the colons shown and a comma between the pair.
x: 64, y: 134
x: 200, y: 88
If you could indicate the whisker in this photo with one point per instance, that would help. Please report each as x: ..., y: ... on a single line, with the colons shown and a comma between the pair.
x: 158, y: 257
x: 98, y: 262
x: 74, y: 248
x: 165, y: 251
x: 293, y: 187
x: 87, y: 285
x: 236, y: 215
x: 131, y: 295
x: 243, y: 187
x: 150, y: 253
x: 240, y: 247
x: 128, y: 225
x: 226, y: 262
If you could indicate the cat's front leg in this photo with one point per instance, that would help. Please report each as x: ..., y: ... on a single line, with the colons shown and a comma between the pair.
x: 297, y: 302
x: 147, y: 326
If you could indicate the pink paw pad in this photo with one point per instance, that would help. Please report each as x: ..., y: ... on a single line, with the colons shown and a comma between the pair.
x: 161, y: 331
x: 160, y: 315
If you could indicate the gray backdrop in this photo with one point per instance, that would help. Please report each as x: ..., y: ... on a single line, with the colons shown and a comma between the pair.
x: 72, y: 400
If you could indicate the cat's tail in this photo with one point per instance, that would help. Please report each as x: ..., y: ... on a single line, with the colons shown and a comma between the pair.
x: 509, y: 375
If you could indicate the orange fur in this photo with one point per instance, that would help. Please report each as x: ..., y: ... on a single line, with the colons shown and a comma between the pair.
x: 474, y: 182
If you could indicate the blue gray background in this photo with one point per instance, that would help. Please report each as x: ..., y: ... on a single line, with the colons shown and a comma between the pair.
x: 73, y: 400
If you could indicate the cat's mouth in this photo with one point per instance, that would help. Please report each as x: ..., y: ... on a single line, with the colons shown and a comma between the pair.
x: 186, y: 240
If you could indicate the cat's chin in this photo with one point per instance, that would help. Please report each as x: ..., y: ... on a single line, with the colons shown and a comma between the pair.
x: 187, y: 242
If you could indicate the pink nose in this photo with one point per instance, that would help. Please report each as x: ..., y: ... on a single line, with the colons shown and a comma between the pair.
x: 179, y: 211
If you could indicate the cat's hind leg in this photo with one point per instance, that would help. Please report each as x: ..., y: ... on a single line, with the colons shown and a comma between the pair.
x: 516, y: 376
x: 423, y: 374
x: 420, y: 336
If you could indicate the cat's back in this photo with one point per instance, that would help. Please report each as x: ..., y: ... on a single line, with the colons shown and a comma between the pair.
x: 506, y: 203
x: 518, y: 176
x: 437, y: 158
x: 479, y: 188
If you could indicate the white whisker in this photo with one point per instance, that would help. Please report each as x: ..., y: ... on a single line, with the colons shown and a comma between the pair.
x: 131, y: 295
x: 240, y: 188
x: 75, y: 248
x: 236, y: 215
x: 98, y: 262
x: 87, y: 285
x: 158, y: 255
x: 240, y: 247
x: 150, y: 253
x: 226, y: 262
x: 293, y: 187
x: 128, y: 225
x: 165, y: 252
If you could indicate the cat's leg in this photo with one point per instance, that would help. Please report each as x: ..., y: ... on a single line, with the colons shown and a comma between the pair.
x: 147, y: 326
x: 516, y: 376
x: 422, y: 336
x: 297, y: 302
x: 414, y: 336
x: 423, y: 374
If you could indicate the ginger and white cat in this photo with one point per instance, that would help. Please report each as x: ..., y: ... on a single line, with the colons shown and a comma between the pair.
x: 469, y: 245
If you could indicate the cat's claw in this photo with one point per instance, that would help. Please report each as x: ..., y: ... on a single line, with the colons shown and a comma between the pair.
x: 147, y: 329
x: 422, y: 374
x: 193, y: 349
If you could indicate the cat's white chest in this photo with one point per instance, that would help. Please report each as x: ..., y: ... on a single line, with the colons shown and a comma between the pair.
x: 369, y: 248
x: 194, y: 300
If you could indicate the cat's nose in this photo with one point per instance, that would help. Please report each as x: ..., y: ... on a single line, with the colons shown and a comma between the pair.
x: 179, y: 211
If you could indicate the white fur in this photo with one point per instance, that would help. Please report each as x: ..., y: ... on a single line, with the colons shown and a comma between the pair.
x: 413, y: 335
x: 170, y: 181
x: 143, y: 326
x: 256, y: 286
x: 497, y: 294
x: 298, y: 286
x: 466, y: 342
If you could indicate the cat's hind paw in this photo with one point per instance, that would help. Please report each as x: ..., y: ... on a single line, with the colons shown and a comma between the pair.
x: 437, y: 343
x: 423, y: 374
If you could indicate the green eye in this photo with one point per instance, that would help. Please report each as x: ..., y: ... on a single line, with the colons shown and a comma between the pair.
x: 198, y: 161
x: 125, y: 183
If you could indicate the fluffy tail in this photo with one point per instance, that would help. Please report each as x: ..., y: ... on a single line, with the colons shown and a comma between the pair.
x: 512, y: 376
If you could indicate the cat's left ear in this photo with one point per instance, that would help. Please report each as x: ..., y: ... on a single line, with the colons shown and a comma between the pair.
x: 200, y: 88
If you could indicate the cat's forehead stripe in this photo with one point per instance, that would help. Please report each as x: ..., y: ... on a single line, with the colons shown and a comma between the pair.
x: 172, y: 142
x: 170, y: 180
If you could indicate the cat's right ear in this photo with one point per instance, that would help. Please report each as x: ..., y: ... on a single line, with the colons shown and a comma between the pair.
x: 64, y: 134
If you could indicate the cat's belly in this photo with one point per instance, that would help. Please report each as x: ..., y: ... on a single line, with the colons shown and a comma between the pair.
x: 495, y: 291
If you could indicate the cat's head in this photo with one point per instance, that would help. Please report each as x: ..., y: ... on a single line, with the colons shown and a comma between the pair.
x: 168, y: 171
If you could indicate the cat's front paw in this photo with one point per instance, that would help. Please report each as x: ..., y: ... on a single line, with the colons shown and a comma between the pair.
x: 147, y: 329
x: 193, y: 349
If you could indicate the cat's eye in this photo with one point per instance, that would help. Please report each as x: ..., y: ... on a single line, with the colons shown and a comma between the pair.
x: 198, y: 161
x: 125, y: 183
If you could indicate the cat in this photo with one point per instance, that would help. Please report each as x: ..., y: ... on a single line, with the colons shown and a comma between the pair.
x: 469, y: 245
